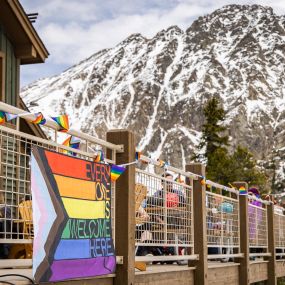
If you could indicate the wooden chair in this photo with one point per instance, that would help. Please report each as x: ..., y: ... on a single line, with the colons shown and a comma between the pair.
x: 26, y: 223
x: 140, y: 194
x: 26, y: 218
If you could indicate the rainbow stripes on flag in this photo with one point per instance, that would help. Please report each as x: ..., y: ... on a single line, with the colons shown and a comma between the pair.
x: 203, y: 180
x: 40, y: 119
x: 242, y: 191
x: 179, y: 179
x: 116, y: 172
x: 72, y: 142
x: 138, y: 155
x: 6, y: 117
x: 99, y: 157
x: 162, y: 163
x: 2, y: 117
x: 63, y: 122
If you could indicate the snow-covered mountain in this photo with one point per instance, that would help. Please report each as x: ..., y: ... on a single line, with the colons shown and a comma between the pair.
x: 157, y: 87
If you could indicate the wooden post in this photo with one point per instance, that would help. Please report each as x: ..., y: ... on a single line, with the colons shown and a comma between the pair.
x: 272, y: 280
x: 200, y: 230
x: 243, y: 235
x: 124, y: 207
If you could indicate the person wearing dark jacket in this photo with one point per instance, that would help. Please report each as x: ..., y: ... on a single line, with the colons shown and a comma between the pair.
x: 174, y: 198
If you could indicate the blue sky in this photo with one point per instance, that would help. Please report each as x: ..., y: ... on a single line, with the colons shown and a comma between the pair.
x: 72, y: 30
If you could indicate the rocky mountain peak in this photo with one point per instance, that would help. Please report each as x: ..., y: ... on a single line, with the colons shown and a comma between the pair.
x: 157, y: 87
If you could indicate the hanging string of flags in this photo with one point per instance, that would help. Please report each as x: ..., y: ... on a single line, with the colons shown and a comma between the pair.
x: 74, y: 142
x: 62, y: 120
x: 205, y: 182
x: 116, y: 170
x: 71, y: 141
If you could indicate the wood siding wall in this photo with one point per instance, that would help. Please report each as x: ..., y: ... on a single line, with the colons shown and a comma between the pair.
x: 11, y: 72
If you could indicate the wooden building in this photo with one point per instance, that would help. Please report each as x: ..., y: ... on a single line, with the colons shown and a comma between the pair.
x: 19, y: 44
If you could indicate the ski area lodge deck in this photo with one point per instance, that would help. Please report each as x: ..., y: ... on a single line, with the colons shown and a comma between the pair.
x: 216, y: 235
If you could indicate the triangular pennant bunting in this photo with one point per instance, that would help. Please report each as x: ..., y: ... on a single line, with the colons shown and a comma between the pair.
x: 203, y: 180
x: 161, y: 163
x: 242, y: 191
x: 116, y: 172
x: 10, y: 117
x: 72, y: 142
x: 138, y: 155
x: 99, y: 157
x: 2, y: 117
x: 179, y: 179
x: 40, y: 119
x: 63, y: 123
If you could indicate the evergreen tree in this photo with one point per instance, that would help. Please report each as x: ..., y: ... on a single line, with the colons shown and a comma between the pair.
x: 212, y: 130
x: 243, y: 168
x: 221, y: 166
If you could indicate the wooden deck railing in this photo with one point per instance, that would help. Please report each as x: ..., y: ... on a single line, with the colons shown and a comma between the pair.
x: 244, y: 235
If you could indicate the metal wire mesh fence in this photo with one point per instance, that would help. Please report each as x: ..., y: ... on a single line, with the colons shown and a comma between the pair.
x: 163, y: 213
x: 279, y: 231
x: 16, y: 225
x: 222, y: 221
x: 257, y: 223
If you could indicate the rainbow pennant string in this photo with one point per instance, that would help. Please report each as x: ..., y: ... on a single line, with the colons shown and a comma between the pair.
x: 99, y: 157
x: 116, y: 172
x: 40, y: 119
x: 63, y: 123
x: 242, y: 191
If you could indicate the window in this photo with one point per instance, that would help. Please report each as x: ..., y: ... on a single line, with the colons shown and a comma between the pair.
x: 2, y: 77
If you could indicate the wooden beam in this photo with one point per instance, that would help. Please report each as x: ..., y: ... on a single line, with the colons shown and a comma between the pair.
x: 124, y: 207
x: 29, y: 30
x: 243, y: 235
x: 200, y: 229
x: 25, y: 51
x: 258, y: 271
x: 14, y: 263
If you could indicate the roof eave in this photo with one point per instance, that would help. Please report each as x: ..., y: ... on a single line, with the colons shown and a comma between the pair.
x: 37, y: 52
